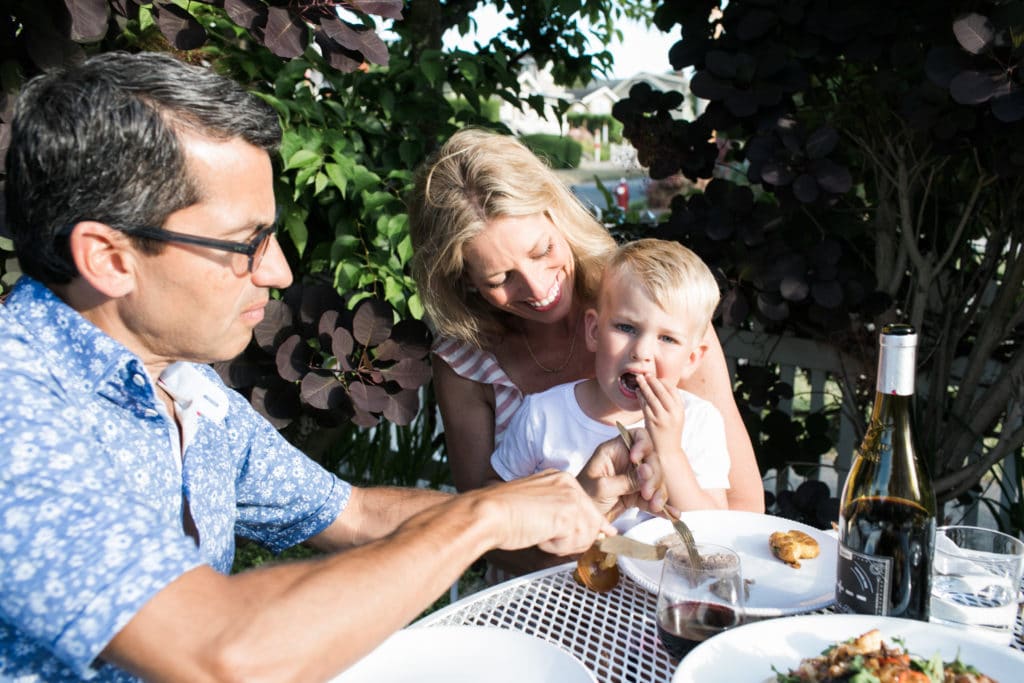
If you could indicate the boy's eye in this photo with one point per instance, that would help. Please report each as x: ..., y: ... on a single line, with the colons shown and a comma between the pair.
x: 668, y: 340
x: 624, y: 327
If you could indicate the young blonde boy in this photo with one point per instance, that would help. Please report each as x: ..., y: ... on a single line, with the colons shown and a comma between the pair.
x: 646, y: 331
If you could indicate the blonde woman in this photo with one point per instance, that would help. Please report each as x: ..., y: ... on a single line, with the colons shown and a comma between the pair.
x: 507, y: 261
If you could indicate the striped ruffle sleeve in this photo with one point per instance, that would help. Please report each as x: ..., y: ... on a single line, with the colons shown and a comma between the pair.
x: 477, y: 365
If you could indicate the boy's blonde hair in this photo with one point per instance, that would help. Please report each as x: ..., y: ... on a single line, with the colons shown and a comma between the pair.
x: 671, y: 275
x: 476, y: 177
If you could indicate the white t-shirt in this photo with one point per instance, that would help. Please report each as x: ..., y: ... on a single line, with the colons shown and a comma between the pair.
x: 550, y: 430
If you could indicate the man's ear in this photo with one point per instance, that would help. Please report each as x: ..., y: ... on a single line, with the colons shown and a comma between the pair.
x: 590, y: 320
x: 103, y: 257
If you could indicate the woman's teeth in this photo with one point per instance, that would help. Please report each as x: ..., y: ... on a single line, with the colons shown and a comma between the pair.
x: 549, y: 299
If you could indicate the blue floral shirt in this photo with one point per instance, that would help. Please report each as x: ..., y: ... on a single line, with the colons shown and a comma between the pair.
x: 91, y: 488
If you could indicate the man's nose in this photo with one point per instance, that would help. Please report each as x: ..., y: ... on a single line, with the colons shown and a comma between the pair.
x: 273, y: 270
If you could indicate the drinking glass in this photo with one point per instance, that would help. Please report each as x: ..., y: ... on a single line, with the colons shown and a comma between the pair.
x: 695, y: 603
x: 976, y: 578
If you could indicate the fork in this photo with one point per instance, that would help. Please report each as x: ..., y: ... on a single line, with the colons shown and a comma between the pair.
x: 679, y: 525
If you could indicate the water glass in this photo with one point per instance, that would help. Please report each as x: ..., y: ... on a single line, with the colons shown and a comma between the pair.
x: 976, y: 577
x: 695, y: 603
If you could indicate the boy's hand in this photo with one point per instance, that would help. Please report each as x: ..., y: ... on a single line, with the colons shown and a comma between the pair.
x: 664, y: 415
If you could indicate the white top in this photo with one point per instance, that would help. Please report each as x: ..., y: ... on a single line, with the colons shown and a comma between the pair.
x: 550, y: 430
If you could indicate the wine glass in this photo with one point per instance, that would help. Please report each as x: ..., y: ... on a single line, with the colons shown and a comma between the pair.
x: 695, y: 603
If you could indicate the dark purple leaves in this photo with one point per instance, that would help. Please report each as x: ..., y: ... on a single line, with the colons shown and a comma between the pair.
x: 975, y: 87
x: 368, y: 397
x: 821, y: 142
x: 293, y: 359
x: 974, y: 32
x: 402, y: 407
x: 285, y: 35
x: 734, y: 308
x: 249, y: 14
x: 276, y: 323
x: 389, y: 9
x: 342, y: 345
x: 831, y: 177
x: 1009, y: 108
x: 180, y: 28
x: 322, y: 390
x: 278, y: 403
x: 409, y: 373
x: 373, y: 322
x: 361, y: 40
x: 88, y: 19
x: 338, y: 365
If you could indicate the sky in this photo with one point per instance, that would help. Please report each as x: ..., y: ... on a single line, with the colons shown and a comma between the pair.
x: 642, y: 48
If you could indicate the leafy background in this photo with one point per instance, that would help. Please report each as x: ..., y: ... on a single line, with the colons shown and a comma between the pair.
x: 858, y: 163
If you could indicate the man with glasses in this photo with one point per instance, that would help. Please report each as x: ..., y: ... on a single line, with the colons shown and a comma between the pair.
x: 140, y: 198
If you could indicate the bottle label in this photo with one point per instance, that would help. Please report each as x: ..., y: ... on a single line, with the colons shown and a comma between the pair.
x: 862, y: 582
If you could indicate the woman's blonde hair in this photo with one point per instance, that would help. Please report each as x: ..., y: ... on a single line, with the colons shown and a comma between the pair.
x: 476, y: 177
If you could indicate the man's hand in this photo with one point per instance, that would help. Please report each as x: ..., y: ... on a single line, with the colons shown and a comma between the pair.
x: 617, y: 479
x: 549, y: 510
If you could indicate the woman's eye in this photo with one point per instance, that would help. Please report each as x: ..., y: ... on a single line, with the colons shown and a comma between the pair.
x: 547, y: 250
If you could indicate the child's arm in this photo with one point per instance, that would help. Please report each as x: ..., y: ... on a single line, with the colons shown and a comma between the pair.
x: 664, y: 416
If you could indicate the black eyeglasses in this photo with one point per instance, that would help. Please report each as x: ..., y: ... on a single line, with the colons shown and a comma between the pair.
x: 255, y: 249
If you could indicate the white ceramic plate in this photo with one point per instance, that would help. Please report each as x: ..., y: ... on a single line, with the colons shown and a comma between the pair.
x: 747, y: 653
x: 778, y: 589
x: 466, y: 654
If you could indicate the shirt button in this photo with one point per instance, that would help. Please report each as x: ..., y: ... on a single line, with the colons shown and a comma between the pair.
x: 139, y: 380
x: 150, y: 412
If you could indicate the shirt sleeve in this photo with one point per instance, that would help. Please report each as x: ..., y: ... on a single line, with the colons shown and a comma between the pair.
x: 283, y: 496
x: 515, y: 457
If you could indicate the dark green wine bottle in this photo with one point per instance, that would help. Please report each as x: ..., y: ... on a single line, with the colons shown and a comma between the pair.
x: 887, y: 507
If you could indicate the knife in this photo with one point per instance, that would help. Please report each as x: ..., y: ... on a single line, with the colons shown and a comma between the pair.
x: 620, y: 545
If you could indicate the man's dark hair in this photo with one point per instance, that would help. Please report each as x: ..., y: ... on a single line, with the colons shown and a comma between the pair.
x: 99, y: 141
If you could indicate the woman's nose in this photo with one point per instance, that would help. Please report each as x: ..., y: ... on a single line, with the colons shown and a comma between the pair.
x: 536, y: 284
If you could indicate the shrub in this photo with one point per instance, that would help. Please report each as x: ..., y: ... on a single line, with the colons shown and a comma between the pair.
x: 561, y: 152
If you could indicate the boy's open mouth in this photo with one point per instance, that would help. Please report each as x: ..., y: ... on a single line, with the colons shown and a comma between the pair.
x: 629, y: 385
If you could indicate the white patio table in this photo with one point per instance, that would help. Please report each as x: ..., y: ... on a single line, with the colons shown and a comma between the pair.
x: 613, y: 634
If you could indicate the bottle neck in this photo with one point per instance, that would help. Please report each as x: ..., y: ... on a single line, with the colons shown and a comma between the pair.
x: 896, y: 370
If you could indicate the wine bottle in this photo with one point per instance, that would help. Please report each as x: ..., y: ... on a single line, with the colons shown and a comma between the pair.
x: 887, y: 507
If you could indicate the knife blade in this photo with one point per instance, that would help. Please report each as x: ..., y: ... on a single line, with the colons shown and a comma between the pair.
x: 620, y: 545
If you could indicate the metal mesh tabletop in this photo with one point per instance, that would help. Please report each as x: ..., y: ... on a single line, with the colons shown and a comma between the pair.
x: 614, y: 634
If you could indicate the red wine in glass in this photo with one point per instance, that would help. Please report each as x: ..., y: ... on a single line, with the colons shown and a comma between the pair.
x: 685, y: 625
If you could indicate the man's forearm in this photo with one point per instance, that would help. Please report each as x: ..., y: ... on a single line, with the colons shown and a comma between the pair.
x: 373, y: 513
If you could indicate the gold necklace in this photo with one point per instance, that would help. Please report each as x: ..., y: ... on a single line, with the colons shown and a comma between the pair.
x: 572, y: 347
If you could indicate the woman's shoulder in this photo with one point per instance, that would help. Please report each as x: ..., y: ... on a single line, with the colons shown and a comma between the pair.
x: 471, y: 362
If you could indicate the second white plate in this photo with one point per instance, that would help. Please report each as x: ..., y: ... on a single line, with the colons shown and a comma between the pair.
x: 778, y: 589
x: 748, y: 653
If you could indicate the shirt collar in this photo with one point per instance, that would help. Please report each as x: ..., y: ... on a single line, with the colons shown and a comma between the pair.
x: 81, y: 356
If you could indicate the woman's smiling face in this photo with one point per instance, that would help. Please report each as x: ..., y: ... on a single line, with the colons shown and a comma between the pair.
x: 522, y: 265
